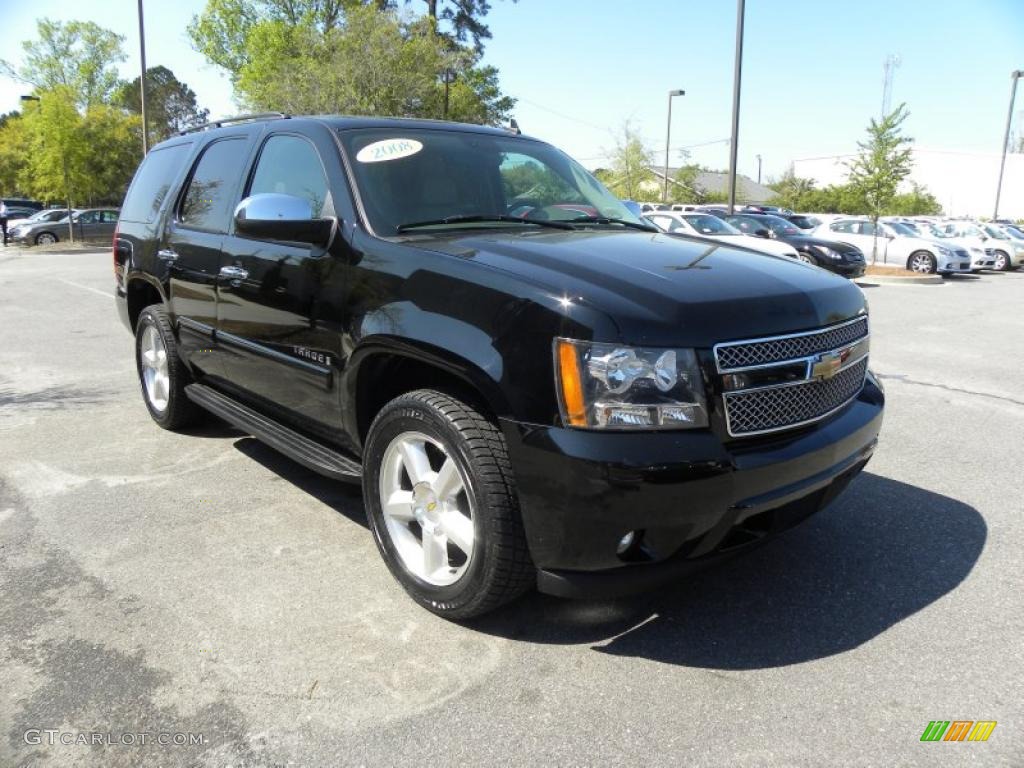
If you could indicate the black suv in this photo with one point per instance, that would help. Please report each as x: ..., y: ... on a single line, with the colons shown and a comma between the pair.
x: 532, y: 385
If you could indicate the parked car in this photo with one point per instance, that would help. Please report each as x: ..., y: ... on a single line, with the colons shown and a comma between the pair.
x: 899, y: 245
x: 48, y: 214
x: 706, y: 225
x: 981, y: 255
x: 23, y: 203
x: 586, y: 405
x: 804, y: 222
x: 90, y: 224
x: 970, y: 234
x: 842, y: 258
x: 1007, y: 248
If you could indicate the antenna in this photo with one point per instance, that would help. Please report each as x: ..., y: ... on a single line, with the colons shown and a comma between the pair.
x: 892, y: 61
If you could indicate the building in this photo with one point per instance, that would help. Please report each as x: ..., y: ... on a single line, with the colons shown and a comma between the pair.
x: 964, y: 183
x: 748, y: 191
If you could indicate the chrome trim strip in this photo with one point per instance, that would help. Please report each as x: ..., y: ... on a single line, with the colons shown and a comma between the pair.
x: 799, y: 383
x: 763, y: 339
x: 196, y: 327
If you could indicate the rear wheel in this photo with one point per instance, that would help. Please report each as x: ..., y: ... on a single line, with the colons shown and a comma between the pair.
x: 921, y: 261
x: 162, y: 373
x: 46, y: 238
x: 1002, y: 261
x: 442, y: 505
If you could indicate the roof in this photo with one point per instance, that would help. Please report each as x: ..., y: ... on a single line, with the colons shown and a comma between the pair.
x: 341, y: 122
x: 747, y: 190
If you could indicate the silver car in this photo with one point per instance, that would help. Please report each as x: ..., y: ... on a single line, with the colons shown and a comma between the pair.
x: 96, y: 224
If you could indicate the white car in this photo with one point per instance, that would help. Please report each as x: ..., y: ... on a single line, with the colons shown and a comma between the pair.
x: 898, y: 245
x: 983, y: 256
x: 1007, y: 247
x: 707, y: 226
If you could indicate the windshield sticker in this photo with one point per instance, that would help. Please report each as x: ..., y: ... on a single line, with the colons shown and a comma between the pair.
x: 388, y: 149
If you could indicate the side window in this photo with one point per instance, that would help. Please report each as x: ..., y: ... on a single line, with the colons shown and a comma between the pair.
x: 290, y: 165
x: 676, y: 226
x: 839, y: 226
x: 867, y: 228
x: 209, y: 199
x: 152, y: 182
x: 108, y: 217
x: 89, y: 217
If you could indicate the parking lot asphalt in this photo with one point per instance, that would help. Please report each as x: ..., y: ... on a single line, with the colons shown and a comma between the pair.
x: 156, y: 583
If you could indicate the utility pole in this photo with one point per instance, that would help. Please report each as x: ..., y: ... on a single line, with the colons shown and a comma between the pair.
x: 737, y: 77
x: 448, y: 76
x: 889, y: 67
x: 668, y: 136
x: 142, y: 83
x: 758, y: 169
x: 1014, y: 77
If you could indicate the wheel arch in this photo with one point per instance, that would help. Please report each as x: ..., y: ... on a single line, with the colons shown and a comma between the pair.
x: 141, y: 292
x: 383, y: 369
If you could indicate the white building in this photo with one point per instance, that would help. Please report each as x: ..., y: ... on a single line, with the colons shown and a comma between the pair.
x: 964, y: 183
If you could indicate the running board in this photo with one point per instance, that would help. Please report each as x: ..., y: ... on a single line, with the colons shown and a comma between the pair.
x: 316, y: 456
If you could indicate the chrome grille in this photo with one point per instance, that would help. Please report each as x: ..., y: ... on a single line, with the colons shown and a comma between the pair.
x: 737, y: 355
x: 772, y: 408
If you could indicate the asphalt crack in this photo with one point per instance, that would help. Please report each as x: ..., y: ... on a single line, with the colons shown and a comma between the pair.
x: 959, y: 390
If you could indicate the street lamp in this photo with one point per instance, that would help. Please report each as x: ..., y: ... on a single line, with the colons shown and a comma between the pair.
x: 142, y: 83
x: 758, y: 169
x: 668, y: 137
x: 1014, y: 77
x: 737, y: 77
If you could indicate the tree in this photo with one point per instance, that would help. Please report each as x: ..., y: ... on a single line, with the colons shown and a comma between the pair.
x: 883, y: 162
x: 170, y: 104
x: 917, y: 202
x: 792, y: 191
x: 630, y: 167
x: 14, y: 154
x: 79, y: 56
x: 352, y: 57
x: 464, y: 16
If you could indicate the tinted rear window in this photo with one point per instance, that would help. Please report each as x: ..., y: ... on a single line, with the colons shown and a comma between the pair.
x: 210, y: 196
x: 152, y: 182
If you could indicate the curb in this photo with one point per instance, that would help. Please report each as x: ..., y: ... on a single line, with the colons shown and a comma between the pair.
x: 898, y: 280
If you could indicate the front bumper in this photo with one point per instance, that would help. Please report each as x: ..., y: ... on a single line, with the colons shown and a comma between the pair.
x: 695, y: 498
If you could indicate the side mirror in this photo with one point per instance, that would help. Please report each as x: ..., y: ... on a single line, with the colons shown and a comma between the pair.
x: 273, y: 216
x: 763, y: 232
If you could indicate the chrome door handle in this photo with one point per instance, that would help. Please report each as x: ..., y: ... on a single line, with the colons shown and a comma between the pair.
x: 234, y: 273
x: 167, y: 254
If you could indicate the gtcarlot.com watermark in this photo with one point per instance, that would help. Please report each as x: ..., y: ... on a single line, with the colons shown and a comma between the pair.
x: 51, y: 737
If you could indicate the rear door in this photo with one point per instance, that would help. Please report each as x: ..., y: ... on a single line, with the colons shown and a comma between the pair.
x: 192, y: 245
x: 277, y: 325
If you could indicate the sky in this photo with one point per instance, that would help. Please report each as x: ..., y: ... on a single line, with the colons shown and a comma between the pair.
x: 812, y: 70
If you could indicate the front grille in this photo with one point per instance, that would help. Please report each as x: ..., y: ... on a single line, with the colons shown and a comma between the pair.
x: 743, y: 354
x: 773, y: 408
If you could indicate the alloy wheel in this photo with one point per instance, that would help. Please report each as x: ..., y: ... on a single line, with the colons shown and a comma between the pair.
x: 427, y: 510
x: 921, y: 262
x: 155, y: 378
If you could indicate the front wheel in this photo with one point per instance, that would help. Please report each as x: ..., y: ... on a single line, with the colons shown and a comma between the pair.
x: 806, y: 258
x: 1002, y: 261
x: 46, y: 238
x: 442, y: 505
x: 922, y: 262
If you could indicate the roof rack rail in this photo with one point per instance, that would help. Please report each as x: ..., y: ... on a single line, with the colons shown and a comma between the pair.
x: 236, y: 119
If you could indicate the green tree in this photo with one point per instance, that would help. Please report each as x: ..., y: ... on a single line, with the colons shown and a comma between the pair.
x: 310, y: 56
x: 792, y: 191
x: 631, y: 161
x: 170, y: 104
x: 14, y: 154
x: 883, y: 162
x: 917, y: 202
x: 464, y: 16
x: 79, y: 56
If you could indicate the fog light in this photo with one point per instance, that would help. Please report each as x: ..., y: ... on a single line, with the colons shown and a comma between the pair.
x: 625, y: 542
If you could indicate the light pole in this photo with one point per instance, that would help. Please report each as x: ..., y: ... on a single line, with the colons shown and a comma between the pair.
x: 668, y: 137
x: 1016, y: 75
x: 737, y: 77
x: 758, y: 169
x: 64, y: 162
x: 142, y: 83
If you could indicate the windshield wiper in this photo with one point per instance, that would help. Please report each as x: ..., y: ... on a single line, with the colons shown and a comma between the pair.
x: 606, y: 220
x: 479, y: 217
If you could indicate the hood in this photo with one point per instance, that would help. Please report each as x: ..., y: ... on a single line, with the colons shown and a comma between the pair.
x: 663, y: 289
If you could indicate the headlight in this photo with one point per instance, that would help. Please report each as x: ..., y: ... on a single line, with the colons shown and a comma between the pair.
x: 611, y: 386
x: 944, y: 251
x: 830, y: 253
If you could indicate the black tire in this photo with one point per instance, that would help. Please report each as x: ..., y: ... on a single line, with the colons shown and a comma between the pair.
x: 46, y: 238
x: 500, y: 568
x: 179, y: 412
x: 922, y: 262
x: 1002, y: 261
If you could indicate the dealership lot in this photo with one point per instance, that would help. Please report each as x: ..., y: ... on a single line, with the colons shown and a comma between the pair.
x: 203, y: 585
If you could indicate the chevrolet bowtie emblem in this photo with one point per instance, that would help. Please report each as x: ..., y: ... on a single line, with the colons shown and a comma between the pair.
x: 828, y: 364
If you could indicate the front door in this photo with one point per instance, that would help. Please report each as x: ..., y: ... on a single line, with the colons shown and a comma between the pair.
x: 280, y: 339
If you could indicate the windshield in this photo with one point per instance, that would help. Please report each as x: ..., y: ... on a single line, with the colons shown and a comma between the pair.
x: 711, y: 225
x: 778, y: 226
x: 1015, y: 232
x: 995, y: 232
x: 412, y: 176
x: 901, y: 229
